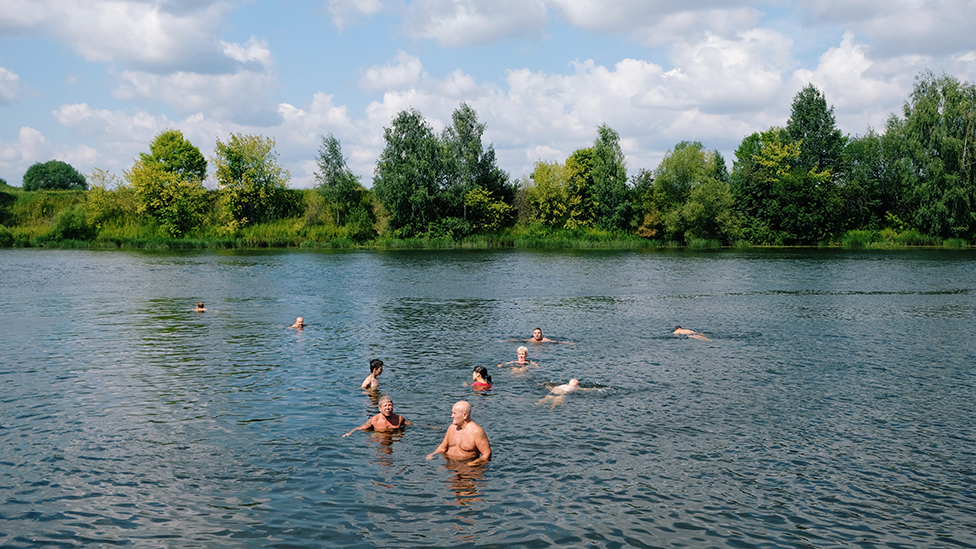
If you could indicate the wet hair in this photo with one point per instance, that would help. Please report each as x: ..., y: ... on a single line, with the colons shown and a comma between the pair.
x: 677, y: 327
x: 483, y: 372
x: 383, y: 399
x: 199, y: 304
x: 534, y: 329
x: 522, y: 348
x: 374, y: 364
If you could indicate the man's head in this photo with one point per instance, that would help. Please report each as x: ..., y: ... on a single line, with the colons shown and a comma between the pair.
x: 385, y: 404
x: 574, y: 382
x: 200, y: 305
x: 299, y: 321
x: 461, y: 413
x: 376, y: 366
x: 537, y: 334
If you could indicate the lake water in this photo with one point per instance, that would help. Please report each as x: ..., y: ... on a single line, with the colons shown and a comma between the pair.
x: 832, y: 406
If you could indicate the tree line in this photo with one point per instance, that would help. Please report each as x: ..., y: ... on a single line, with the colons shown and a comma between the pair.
x: 803, y: 183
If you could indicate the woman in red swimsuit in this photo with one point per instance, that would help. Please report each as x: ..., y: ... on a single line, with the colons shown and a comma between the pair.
x: 480, y: 379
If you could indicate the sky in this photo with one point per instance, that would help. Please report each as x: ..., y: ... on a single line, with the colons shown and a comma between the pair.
x: 92, y: 82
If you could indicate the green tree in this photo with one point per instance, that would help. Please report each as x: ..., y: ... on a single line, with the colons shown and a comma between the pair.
x: 251, y: 180
x: 550, y: 197
x: 933, y: 150
x: 688, y: 196
x: 778, y: 203
x: 813, y: 127
x: 407, y: 176
x: 610, y: 195
x: 169, y: 184
x: 336, y: 182
x: 579, y: 181
x: 467, y: 165
x: 53, y: 175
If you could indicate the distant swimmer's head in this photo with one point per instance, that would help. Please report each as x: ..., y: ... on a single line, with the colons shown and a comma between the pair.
x: 574, y: 382
x: 200, y: 305
x: 523, y: 353
x: 299, y: 321
x: 676, y: 328
x: 537, y: 334
x: 376, y: 366
x: 480, y: 374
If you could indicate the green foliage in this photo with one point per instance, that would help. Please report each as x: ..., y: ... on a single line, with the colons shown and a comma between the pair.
x: 6, y: 237
x: 610, y: 196
x: 467, y: 165
x: 336, y: 182
x: 550, y: 196
x: 72, y: 224
x: 812, y: 126
x: 178, y: 203
x: 933, y: 150
x: 686, y: 199
x: 408, y: 173
x: 53, y: 175
x: 168, y: 183
x: 251, y: 180
x: 177, y: 156
x: 484, y: 212
x: 777, y: 203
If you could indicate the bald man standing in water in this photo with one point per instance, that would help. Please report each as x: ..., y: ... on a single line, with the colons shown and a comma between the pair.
x: 465, y: 439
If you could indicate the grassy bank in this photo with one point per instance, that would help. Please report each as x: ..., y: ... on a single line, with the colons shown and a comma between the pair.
x: 79, y: 219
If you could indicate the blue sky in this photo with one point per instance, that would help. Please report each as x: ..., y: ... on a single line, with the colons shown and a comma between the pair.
x: 91, y: 82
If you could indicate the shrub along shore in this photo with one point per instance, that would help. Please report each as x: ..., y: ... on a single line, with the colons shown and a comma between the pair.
x: 60, y: 220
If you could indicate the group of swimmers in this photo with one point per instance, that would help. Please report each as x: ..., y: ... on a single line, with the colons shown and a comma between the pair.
x: 465, y: 440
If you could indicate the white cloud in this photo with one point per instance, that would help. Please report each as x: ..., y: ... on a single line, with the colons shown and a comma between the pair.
x: 900, y: 27
x: 31, y: 146
x: 151, y: 35
x: 243, y: 96
x: 404, y: 71
x: 9, y: 87
x: 454, y: 23
x: 346, y: 12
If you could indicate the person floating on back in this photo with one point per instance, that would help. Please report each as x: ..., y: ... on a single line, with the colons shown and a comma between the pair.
x: 384, y: 421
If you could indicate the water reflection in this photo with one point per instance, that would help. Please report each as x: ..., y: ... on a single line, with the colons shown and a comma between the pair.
x: 832, y: 406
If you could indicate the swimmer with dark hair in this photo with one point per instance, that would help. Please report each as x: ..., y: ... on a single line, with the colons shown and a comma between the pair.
x: 480, y: 379
x: 678, y: 330
x: 375, y: 369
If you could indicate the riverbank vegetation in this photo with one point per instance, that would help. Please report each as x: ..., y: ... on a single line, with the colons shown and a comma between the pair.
x: 802, y: 184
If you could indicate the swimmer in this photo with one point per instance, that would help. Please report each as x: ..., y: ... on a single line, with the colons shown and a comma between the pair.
x: 537, y: 338
x: 384, y: 421
x: 465, y: 439
x: 299, y: 323
x: 522, y: 362
x: 200, y: 308
x: 678, y: 330
x: 480, y: 379
x: 557, y: 393
x: 375, y: 369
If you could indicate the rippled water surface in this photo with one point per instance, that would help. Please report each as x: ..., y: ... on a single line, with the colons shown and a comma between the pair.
x: 832, y: 406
